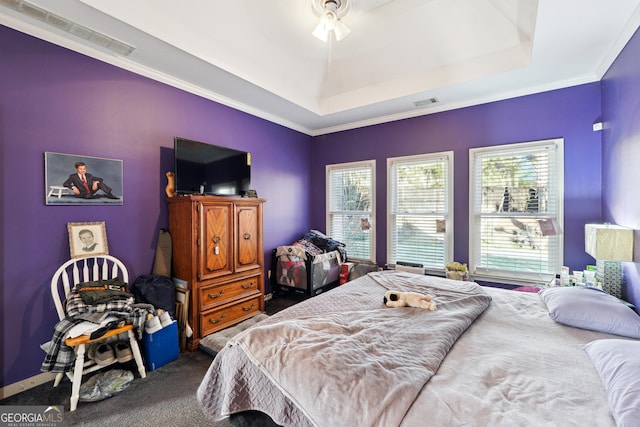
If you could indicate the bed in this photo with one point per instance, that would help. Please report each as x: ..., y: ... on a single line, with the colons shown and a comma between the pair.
x: 486, y: 356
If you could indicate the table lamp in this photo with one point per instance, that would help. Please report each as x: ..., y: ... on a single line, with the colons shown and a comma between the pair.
x: 609, y: 244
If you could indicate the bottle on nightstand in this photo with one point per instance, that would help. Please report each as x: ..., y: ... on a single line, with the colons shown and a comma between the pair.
x: 564, y: 277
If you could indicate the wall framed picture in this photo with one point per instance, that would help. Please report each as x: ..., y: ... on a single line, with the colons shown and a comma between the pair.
x: 87, y: 239
x: 72, y: 179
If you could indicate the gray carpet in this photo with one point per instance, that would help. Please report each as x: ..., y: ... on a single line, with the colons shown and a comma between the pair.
x: 213, y: 343
x: 167, y: 397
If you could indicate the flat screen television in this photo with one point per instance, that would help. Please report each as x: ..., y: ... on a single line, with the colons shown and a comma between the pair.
x: 202, y: 168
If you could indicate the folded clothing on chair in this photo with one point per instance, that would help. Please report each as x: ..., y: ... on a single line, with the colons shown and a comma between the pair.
x: 103, y: 291
x: 60, y: 357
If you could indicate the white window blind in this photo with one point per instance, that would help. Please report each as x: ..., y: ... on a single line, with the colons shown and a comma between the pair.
x: 350, y: 207
x: 516, y: 211
x: 420, y: 209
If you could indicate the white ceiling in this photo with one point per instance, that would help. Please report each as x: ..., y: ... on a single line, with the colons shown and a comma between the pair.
x: 259, y: 56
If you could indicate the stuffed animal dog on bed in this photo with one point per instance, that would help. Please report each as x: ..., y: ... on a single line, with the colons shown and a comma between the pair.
x: 408, y: 299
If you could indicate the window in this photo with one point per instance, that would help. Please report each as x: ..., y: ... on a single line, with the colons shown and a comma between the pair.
x: 516, y: 211
x: 350, y: 207
x: 420, y: 209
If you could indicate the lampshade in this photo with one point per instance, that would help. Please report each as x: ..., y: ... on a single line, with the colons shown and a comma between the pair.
x: 326, y: 24
x: 608, y: 242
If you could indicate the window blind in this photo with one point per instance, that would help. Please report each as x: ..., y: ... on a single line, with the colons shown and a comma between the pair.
x: 517, y: 210
x: 350, y: 207
x: 420, y: 208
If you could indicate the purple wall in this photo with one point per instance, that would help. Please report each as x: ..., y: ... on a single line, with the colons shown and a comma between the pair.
x: 567, y: 113
x: 52, y: 99
x: 621, y: 152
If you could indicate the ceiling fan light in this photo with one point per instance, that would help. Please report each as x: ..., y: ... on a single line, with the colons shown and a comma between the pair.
x: 340, y: 30
x: 321, y: 32
x: 330, y: 19
x: 323, y: 29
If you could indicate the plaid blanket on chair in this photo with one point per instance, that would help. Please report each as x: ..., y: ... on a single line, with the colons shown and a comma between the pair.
x: 60, y: 357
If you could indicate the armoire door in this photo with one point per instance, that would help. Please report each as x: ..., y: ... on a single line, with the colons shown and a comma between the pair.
x: 216, y: 250
x: 247, y: 238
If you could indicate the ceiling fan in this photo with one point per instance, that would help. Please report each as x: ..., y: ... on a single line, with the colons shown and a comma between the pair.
x: 331, y: 13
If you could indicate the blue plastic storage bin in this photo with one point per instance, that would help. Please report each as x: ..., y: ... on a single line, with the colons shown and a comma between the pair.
x: 161, y: 347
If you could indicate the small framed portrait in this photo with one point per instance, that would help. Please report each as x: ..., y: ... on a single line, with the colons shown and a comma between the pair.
x: 87, y: 239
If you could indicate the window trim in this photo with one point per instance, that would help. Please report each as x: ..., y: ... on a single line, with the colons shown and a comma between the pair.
x: 449, y: 228
x: 352, y: 165
x: 511, y: 277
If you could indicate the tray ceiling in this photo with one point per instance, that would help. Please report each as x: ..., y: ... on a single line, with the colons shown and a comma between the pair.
x: 403, y: 58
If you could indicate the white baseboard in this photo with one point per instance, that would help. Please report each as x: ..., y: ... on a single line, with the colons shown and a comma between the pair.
x: 26, y: 384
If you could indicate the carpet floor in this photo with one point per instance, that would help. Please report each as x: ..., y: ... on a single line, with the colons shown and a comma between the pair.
x: 167, y: 396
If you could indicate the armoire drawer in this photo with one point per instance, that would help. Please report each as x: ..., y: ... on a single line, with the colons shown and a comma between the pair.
x: 215, y: 295
x: 216, y: 320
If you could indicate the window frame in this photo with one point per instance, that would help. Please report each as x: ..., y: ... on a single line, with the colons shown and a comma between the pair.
x: 448, y: 157
x: 475, y: 253
x: 371, y: 214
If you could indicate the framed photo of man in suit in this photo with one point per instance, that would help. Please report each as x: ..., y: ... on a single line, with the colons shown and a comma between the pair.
x: 72, y: 179
x: 87, y: 239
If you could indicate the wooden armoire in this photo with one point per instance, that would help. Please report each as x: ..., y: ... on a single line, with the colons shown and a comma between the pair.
x: 218, y: 249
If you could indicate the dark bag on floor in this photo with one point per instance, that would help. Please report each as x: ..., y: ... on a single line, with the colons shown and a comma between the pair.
x: 156, y: 290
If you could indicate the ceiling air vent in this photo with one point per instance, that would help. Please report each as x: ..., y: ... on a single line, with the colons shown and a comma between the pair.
x: 425, y: 102
x: 64, y: 24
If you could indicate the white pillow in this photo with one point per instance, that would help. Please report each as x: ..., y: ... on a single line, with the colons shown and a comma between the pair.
x: 591, y: 308
x: 618, y: 364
